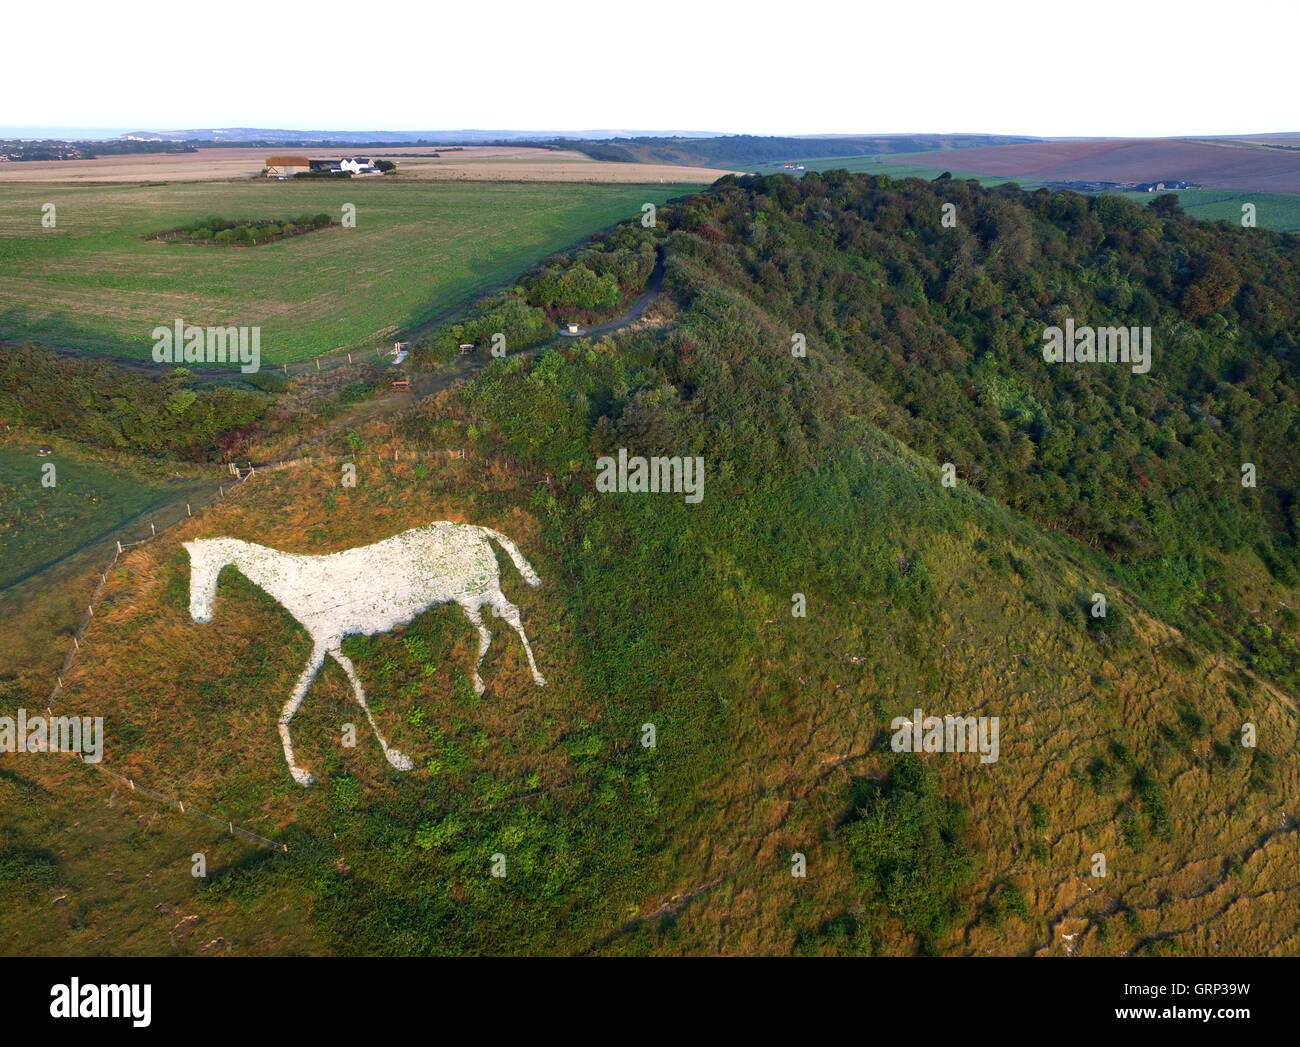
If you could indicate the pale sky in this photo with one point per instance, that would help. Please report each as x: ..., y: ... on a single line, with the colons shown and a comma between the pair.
x: 1034, y: 67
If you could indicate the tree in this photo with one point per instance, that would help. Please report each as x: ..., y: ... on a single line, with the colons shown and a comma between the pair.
x: 1167, y: 206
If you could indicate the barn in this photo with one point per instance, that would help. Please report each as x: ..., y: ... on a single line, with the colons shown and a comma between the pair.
x: 286, y: 166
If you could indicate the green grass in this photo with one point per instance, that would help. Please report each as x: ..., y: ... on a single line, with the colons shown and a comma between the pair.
x: 1272, y: 210
x: 418, y: 253
x: 881, y: 165
x: 39, y: 525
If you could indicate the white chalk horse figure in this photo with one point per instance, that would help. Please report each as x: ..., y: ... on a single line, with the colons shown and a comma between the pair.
x: 367, y: 590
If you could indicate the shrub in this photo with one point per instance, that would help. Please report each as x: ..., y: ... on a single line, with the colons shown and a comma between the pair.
x: 905, y: 843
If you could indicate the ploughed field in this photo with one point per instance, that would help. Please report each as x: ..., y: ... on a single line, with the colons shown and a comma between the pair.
x: 1222, y: 164
x: 486, y: 163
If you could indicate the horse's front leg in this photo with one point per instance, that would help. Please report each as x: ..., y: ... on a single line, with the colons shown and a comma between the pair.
x: 300, y: 775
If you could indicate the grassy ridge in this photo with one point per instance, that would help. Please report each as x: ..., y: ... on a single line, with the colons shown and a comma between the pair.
x: 418, y: 252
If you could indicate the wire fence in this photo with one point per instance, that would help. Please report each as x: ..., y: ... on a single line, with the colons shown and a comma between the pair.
x: 161, y: 521
x: 169, y: 801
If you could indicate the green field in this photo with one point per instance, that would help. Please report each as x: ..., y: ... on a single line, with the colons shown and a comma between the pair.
x: 1279, y: 211
x: 39, y: 524
x: 881, y: 165
x: 418, y: 253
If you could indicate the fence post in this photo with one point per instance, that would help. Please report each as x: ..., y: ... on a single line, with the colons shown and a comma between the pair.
x: 152, y: 529
x: 187, y: 513
x: 318, y: 363
x: 119, y: 548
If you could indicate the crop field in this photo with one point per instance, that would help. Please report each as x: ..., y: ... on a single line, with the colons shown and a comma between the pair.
x: 424, y: 163
x: 418, y: 253
x: 1222, y: 165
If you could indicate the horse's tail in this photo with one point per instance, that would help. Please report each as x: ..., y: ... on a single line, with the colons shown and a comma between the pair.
x: 525, y: 568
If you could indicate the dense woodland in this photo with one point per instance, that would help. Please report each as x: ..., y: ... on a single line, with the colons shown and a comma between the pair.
x: 948, y: 326
x: 944, y: 329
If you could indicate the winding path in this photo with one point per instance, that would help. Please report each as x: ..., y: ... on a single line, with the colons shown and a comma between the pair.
x: 423, y: 384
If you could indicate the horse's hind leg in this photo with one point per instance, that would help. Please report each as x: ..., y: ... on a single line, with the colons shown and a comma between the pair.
x: 485, y: 638
x: 402, y: 763
x: 505, y: 609
x: 300, y: 775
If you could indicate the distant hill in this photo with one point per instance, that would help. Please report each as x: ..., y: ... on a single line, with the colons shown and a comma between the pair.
x: 1265, y: 163
x: 733, y: 150
x: 464, y: 136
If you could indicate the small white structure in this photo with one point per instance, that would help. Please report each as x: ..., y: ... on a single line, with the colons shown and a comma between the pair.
x: 401, y: 350
x: 573, y: 328
x: 356, y: 164
x: 466, y: 347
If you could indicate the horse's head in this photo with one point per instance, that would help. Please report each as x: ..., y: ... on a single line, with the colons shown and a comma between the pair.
x: 205, y: 566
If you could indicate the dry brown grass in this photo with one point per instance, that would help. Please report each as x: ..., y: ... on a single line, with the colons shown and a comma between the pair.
x: 223, y: 752
x: 200, y: 704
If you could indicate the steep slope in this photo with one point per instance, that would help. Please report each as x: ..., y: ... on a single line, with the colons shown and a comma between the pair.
x: 1119, y: 736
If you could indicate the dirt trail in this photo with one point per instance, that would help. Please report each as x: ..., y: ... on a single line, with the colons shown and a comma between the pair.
x: 423, y: 385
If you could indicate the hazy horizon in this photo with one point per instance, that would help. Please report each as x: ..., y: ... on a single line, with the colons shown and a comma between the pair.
x: 112, y: 133
x: 1104, y: 70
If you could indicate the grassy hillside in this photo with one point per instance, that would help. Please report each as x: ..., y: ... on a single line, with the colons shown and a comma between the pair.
x: 1120, y: 736
x: 84, y: 499
x: 418, y: 252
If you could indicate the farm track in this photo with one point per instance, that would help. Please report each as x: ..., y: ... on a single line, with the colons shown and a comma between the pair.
x: 423, y: 385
